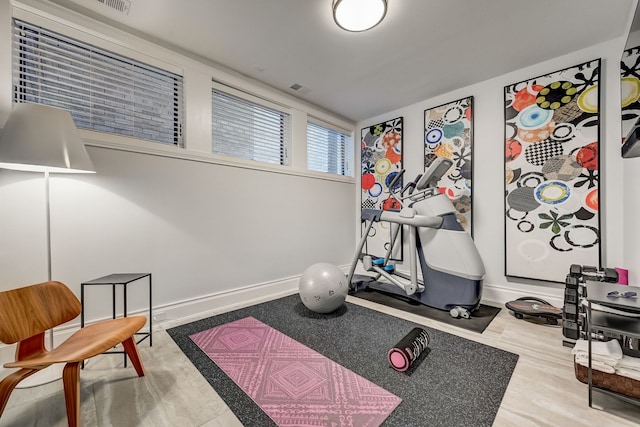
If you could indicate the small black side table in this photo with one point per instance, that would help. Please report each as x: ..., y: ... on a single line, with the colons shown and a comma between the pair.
x: 113, y: 280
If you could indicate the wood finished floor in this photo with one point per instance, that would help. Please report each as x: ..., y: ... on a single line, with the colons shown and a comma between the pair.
x: 543, y: 390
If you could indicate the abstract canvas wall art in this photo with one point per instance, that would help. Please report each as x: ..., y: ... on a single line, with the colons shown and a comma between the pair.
x: 448, y: 132
x: 381, y: 157
x: 630, y: 89
x: 552, y: 173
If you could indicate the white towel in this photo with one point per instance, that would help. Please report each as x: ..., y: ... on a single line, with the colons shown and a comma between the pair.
x: 601, y: 350
x: 629, y: 373
x: 629, y: 362
x: 583, y: 359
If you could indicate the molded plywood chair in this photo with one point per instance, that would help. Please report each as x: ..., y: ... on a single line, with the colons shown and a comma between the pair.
x: 26, y: 313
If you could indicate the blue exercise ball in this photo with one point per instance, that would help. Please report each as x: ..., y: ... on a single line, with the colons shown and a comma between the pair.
x: 323, y: 287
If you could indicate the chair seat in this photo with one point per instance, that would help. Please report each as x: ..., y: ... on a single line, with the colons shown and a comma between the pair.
x: 27, y: 313
x: 86, y: 343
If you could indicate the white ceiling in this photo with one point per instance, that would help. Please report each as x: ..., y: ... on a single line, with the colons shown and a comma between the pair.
x: 423, y: 48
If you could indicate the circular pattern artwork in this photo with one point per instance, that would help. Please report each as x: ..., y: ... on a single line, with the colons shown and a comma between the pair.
x: 587, y: 156
x: 375, y: 190
x: 563, y: 132
x: 551, y: 170
x: 533, y: 117
x: 591, y: 200
x: 523, y: 199
x: 453, y: 114
x: 552, y: 192
x: 525, y: 97
x: 512, y: 150
x: 383, y: 166
x: 533, y: 250
x: 433, y: 136
x: 448, y: 133
x: 381, y: 153
x: 555, y: 95
x: 630, y: 90
x: 368, y: 181
x: 530, y: 179
x: 588, y: 100
x: 563, y: 168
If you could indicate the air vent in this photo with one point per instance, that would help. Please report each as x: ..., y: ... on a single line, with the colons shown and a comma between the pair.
x: 300, y: 89
x: 121, y: 6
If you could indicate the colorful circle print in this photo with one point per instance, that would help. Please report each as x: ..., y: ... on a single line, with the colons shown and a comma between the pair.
x: 630, y: 89
x: 383, y: 166
x: 512, y: 150
x: 376, y: 190
x: 453, y: 114
x: 368, y: 181
x: 534, y: 117
x: 433, y: 136
x: 555, y: 95
x: 591, y: 200
x: 587, y: 156
x: 552, y: 192
x: 588, y: 100
x: 525, y: 97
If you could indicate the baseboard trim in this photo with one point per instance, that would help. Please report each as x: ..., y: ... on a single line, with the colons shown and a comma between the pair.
x: 167, y: 315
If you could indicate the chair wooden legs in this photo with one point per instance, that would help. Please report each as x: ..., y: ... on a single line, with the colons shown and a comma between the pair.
x: 131, y: 349
x: 10, y: 382
x: 71, y: 381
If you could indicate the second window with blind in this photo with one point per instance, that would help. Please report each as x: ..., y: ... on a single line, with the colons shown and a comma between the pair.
x: 329, y: 150
x: 246, y: 127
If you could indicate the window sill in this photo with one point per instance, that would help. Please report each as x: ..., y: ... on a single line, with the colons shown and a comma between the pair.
x: 123, y: 143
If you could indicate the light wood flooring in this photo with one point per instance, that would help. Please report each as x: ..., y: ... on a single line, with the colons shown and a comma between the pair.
x: 543, y: 390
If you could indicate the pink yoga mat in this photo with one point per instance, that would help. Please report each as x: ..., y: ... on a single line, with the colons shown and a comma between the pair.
x: 294, y: 385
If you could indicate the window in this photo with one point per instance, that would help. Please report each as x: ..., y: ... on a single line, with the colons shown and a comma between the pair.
x: 248, y: 130
x: 102, y: 90
x: 329, y: 150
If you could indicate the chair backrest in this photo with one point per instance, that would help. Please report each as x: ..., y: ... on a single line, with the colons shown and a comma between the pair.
x: 25, y: 312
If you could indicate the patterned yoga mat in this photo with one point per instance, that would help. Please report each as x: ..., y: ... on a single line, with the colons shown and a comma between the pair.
x: 294, y: 385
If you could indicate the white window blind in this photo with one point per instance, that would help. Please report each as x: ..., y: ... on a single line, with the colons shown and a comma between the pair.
x: 248, y: 130
x: 329, y: 150
x: 102, y: 90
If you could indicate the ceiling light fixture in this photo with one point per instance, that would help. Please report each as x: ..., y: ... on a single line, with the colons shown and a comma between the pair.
x: 359, y: 15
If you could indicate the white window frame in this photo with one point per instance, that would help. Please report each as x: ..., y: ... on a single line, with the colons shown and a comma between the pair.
x: 286, y: 148
x: 349, y: 148
x: 51, y: 68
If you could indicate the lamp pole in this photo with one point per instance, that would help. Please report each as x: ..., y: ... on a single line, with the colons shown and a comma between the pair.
x: 40, y: 138
x: 48, y: 233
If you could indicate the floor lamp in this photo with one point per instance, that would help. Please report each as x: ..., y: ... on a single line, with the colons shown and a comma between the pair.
x: 39, y: 138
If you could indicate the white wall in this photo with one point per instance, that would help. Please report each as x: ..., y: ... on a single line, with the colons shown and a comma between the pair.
x: 201, y: 224
x: 488, y: 162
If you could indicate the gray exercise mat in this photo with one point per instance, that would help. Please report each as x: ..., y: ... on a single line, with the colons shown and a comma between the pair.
x: 456, y: 382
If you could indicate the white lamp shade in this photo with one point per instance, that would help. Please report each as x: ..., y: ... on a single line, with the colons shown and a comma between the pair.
x: 359, y: 15
x: 42, y: 138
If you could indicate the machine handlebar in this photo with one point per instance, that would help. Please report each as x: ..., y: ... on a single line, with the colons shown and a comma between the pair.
x: 395, y: 180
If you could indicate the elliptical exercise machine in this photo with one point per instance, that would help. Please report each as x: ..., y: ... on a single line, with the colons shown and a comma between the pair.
x: 451, y: 267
